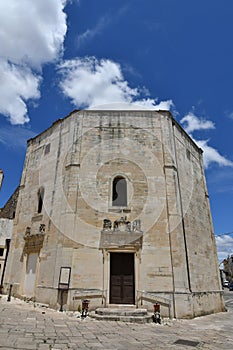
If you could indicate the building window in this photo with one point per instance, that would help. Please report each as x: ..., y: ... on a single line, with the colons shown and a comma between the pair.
x: 40, y: 199
x: 47, y: 149
x: 119, y: 192
x: 1, y: 251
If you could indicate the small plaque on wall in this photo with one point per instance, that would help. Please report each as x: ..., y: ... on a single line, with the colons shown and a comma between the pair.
x: 64, y: 278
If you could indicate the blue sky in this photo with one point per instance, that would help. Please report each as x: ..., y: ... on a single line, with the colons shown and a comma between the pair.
x: 57, y: 55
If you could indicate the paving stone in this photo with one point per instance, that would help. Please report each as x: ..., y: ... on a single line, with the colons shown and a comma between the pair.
x: 213, y: 332
x: 44, y: 347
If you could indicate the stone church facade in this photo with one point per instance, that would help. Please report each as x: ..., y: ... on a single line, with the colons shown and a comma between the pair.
x: 113, y: 207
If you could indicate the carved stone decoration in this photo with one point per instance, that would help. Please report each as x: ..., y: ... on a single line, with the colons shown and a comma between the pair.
x: 115, y: 225
x: 136, y: 225
x: 42, y: 228
x: 123, y: 234
x: 122, y: 225
x: 27, y: 231
x: 107, y: 225
x: 34, y: 240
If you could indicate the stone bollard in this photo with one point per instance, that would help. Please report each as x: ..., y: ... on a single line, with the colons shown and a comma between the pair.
x: 85, y: 305
x: 157, y: 316
x: 9, y: 295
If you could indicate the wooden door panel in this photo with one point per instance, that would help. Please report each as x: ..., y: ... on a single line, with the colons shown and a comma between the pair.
x: 128, y: 280
x: 128, y: 289
x: 115, y: 297
x: 122, y: 278
x: 116, y: 279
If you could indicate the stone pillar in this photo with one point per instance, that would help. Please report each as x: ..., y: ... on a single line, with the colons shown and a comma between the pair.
x: 176, y: 231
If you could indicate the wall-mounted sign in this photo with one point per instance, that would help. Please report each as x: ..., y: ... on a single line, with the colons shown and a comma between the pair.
x: 64, y: 278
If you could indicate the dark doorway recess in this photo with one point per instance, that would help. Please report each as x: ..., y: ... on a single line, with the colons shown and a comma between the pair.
x: 122, y: 278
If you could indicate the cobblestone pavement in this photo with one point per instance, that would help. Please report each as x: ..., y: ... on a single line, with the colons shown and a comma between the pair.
x: 23, y: 326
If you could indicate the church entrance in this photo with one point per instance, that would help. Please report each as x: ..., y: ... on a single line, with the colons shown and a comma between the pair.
x: 122, y: 290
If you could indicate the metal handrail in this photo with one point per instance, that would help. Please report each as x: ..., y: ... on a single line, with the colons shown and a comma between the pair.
x: 152, y: 297
x: 90, y: 293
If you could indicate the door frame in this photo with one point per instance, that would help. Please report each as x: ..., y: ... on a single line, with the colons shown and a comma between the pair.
x: 106, y: 270
x: 121, y: 276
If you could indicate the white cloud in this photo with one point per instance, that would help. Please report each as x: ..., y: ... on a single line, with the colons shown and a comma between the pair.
x: 102, y: 23
x: 89, y: 34
x: 92, y: 83
x: 8, y: 139
x: 229, y: 115
x: 211, y: 155
x: 32, y: 33
x: 192, y: 122
x: 224, y: 246
x: 164, y: 105
x: 17, y: 85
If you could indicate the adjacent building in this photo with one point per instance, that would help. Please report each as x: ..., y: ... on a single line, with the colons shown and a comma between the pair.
x: 7, y: 214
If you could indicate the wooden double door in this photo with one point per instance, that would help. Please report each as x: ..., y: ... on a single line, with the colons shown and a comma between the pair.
x: 122, y: 286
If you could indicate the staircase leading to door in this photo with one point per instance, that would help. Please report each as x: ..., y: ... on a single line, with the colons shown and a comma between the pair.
x: 122, y: 313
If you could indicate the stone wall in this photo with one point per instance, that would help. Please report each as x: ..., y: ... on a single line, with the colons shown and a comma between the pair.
x: 74, y: 163
x: 6, y: 228
x: 9, y: 209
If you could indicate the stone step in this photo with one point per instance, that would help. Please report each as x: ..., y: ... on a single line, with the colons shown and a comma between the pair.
x: 121, y: 314
x: 121, y: 306
x: 121, y: 311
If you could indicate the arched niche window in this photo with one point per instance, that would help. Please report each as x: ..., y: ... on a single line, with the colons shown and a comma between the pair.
x: 119, y: 192
x: 40, y: 199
